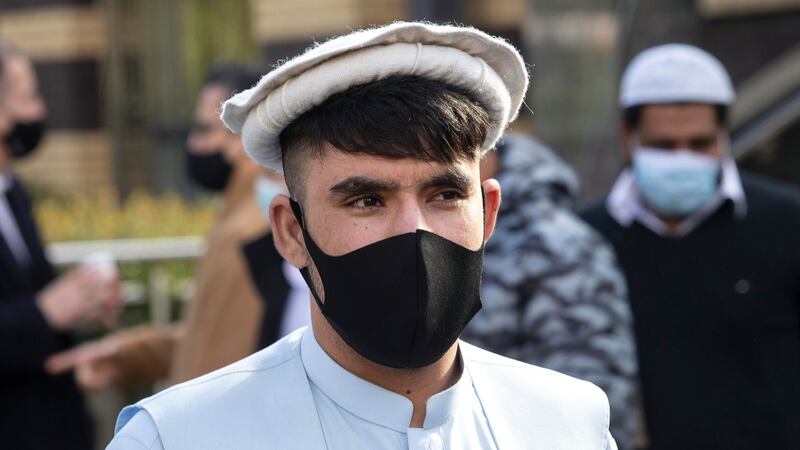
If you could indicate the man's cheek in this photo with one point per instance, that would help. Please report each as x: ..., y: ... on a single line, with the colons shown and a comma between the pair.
x: 473, y: 225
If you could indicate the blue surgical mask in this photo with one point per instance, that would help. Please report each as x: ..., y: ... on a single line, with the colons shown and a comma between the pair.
x: 266, y: 190
x: 675, y: 183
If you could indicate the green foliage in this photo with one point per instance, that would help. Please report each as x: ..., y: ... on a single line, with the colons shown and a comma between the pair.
x: 101, y: 216
x: 212, y: 31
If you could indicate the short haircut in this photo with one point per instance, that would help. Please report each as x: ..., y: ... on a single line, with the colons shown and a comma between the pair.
x: 401, y: 116
x: 236, y: 77
x: 632, y: 116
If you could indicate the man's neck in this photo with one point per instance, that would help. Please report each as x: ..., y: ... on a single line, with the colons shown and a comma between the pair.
x: 672, y: 224
x: 418, y: 385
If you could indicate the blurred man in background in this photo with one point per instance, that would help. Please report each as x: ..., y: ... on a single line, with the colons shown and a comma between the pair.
x: 226, y: 318
x: 712, y: 261
x: 37, y: 310
x: 552, y: 292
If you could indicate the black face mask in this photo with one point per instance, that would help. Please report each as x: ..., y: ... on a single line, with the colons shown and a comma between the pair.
x: 401, y: 302
x: 25, y: 137
x: 211, y: 171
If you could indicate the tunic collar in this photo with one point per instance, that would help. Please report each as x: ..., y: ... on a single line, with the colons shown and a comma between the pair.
x: 371, y: 402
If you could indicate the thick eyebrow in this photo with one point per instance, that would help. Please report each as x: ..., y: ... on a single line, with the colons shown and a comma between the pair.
x: 452, y: 178
x: 358, y: 185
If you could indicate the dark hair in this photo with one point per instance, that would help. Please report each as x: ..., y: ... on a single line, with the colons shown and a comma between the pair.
x: 632, y: 116
x: 401, y: 116
x: 235, y: 76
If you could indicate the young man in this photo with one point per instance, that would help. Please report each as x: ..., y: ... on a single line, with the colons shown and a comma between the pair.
x: 379, y: 134
x: 712, y: 261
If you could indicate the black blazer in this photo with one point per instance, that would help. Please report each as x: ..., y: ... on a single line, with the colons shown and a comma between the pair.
x: 37, y: 411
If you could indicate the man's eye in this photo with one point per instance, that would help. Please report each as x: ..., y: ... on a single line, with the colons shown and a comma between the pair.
x: 663, y: 145
x: 449, y: 196
x: 701, y: 145
x: 368, y: 201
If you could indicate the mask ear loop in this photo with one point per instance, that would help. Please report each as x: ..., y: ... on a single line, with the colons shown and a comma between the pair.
x: 483, y: 205
x: 298, y: 214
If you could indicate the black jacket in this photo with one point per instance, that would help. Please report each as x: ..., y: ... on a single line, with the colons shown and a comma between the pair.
x: 717, y: 323
x: 266, y: 269
x: 37, y: 411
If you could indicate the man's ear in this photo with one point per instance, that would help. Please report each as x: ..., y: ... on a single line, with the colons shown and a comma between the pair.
x: 491, y: 206
x: 287, y: 232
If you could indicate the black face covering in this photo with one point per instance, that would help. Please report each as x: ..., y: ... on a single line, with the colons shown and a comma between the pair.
x: 211, y: 171
x: 401, y: 302
x: 25, y: 137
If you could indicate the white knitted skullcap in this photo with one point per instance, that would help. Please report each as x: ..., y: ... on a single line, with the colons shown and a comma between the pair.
x: 674, y: 73
x: 486, y: 66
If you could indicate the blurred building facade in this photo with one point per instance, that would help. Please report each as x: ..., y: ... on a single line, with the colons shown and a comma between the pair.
x: 66, y: 41
x: 121, y: 76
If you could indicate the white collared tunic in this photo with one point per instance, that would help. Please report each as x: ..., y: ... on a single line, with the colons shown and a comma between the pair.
x: 355, y: 414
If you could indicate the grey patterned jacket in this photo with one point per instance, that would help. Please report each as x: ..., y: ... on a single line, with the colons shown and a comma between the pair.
x: 552, y: 292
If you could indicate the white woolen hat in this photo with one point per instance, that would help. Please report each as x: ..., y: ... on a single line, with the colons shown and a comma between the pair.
x: 674, y: 73
x: 486, y: 66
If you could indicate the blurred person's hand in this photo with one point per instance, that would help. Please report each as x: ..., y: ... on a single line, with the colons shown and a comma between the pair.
x: 84, y: 295
x: 95, y: 364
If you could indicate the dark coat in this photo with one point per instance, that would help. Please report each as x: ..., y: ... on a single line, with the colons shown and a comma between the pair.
x: 37, y: 411
x: 266, y: 269
x: 717, y: 323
